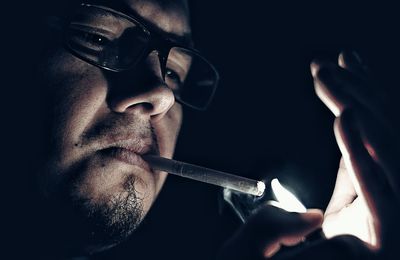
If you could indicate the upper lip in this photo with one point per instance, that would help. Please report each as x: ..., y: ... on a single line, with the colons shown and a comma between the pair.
x: 133, y: 144
x: 130, y: 151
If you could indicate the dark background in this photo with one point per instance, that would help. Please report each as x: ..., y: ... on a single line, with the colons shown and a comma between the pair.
x: 265, y: 120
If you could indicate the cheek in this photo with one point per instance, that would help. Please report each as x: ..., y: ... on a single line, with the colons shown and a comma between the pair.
x: 76, y: 99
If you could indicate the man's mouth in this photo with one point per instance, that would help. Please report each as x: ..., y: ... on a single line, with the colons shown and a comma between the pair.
x: 123, y: 144
x: 127, y: 156
x: 130, y: 150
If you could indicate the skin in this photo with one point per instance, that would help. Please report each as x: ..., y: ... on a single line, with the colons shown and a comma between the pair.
x: 92, y: 110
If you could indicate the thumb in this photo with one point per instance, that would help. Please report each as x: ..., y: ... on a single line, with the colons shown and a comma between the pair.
x: 296, y: 228
x: 264, y: 232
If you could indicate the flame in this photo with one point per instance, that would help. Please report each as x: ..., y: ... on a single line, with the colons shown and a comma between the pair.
x: 285, y: 199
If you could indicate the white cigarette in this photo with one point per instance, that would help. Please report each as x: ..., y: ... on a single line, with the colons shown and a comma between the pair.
x: 206, y: 175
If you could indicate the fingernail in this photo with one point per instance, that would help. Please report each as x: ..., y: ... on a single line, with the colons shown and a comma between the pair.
x: 315, y: 65
x: 314, y: 69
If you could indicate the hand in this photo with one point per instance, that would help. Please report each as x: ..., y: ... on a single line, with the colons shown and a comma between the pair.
x: 370, y: 176
x: 266, y: 230
x: 368, y: 180
x: 347, y: 213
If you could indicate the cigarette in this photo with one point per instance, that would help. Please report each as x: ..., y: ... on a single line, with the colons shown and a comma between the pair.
x: 206, y: 175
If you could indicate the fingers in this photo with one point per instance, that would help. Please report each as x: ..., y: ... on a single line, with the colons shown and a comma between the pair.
x: 368, y: 144
x: 264, y: 232
x: 343, y: 194
x: 382, y: 145
x: 294, y: 231
x: 347, y: 213
x: 272, y: 224
x: 354, y: 219
x: 368, y: 180
x: 327, y: 90
x: 341, y: 86
x: 352, y: 62
x: 343, y: 247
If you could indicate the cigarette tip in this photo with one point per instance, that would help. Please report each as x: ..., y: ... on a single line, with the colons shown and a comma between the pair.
x: 260, y: 188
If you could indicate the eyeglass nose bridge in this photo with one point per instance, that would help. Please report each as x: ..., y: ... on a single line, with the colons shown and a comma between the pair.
x: 162, y: 47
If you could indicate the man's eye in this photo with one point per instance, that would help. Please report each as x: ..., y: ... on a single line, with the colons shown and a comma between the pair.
x: 96, y: 39
x: 91, y: 38
x: 173, y: 80
x: 86, y: 40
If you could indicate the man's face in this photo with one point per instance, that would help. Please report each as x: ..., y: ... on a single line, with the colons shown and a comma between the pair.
x: 102, y: 123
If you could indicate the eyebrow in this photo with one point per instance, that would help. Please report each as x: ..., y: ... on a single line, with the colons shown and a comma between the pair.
x: 184, y: 39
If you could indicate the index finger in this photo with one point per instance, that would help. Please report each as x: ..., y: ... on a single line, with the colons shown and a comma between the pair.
x: 368, y: 179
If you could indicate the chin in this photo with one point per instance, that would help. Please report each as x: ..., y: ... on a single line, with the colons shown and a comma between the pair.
x: 112, y: 208
x: 102, y: 207
x: 108, y: 221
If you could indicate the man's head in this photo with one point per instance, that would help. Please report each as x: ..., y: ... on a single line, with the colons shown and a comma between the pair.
x: 106, y: 111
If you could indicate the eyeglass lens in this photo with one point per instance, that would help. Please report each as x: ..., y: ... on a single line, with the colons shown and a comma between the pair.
x: 116, y: 42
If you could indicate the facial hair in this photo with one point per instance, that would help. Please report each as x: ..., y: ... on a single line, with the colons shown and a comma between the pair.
x: 112, y: 218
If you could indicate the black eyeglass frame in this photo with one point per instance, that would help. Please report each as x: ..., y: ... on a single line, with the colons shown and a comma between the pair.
x: 157, y: 43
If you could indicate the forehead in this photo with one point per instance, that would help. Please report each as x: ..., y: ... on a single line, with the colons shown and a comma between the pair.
x: 169, y: 16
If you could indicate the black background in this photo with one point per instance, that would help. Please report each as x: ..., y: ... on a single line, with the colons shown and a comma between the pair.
x: 265, y: 119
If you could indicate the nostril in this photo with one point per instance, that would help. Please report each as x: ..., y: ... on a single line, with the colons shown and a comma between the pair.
x: 147, y: 106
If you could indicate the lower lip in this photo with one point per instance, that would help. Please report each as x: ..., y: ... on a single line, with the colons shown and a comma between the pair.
x: 127, y: 156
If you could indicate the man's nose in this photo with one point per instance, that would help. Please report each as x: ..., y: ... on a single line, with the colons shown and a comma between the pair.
x: 141, y: 90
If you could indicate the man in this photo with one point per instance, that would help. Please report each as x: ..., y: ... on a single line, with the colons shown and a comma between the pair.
x: 114, y: 70
x: 116, y: 75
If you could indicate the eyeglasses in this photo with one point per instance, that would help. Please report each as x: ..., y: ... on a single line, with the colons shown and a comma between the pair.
x: 117, y: 42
